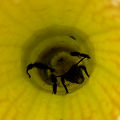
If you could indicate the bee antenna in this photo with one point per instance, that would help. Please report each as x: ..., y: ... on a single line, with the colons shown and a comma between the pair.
x: 80, y: 61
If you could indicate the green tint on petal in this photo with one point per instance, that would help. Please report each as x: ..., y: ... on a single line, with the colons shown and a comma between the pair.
x: 97, y: 100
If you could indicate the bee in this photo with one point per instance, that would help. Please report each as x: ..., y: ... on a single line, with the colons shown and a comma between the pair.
x: 73, y: 75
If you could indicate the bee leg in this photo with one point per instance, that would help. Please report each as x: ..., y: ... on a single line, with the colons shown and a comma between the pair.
x: 74, y: 53
x: 54, y: 80
x: 38, y: 65
x: 80, y: 54
x: 43, y: 66
x: 84, y: 68
x: 30, y: 66
x: 63, y: 82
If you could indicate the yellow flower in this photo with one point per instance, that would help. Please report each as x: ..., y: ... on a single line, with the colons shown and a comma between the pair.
x: 98, y: 99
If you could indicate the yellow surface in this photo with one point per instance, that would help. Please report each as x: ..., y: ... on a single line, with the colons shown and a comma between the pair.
x: 99, y: 99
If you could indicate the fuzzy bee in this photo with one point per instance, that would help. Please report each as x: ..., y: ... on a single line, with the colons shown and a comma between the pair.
x: 72, y: 75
